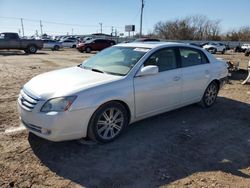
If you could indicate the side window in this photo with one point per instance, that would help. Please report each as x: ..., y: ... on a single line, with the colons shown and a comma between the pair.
x: 165, y: 59
x: 192, y: 57
x: 2, y: 36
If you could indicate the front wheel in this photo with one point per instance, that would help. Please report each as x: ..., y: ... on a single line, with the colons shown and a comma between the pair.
x: 108, y: 122
x: 56, y: 47
x: 88, y: 50
x: 210, y: 95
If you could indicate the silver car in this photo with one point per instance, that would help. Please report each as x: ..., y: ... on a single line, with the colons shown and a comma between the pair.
x: 52, y: 44
x: 120, y: 85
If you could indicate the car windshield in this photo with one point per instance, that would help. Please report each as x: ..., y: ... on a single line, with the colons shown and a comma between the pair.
x: 115, y: 60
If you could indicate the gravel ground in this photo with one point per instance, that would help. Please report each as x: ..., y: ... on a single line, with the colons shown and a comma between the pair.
x: 188, y: 147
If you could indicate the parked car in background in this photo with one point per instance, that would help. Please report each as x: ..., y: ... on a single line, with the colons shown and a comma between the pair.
x: 52, y: 44
x: 10, y: 41
x: 94, y: 45
x: 118, y: 86
x: 195, y: 44
x: 247, y: 52
x: 147, y: 40
x: 214, y: 47
x: 69, y: 43
x: 245, y: 47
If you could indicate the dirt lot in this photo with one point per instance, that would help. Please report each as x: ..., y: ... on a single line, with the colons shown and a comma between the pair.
x: 188, y: 147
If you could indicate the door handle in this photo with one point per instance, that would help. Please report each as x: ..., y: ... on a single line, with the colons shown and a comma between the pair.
x: 177, y: 78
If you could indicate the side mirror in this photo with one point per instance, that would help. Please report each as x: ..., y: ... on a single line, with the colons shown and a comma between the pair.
x: 148, y: 70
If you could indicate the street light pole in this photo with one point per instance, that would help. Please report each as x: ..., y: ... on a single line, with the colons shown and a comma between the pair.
x: 142, y: 6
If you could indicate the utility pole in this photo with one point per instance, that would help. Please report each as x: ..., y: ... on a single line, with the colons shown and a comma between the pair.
x: 22, y: 26
x: 101, y: 26
x: 112, y: 30
x: 142, y: 6
x: 41, y: 27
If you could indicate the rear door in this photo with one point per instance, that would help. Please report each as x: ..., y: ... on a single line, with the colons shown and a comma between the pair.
x: 155, y: 93
x: 195, y: 74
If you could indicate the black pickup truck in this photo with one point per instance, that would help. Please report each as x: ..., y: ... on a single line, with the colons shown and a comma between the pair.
x: 13, y: 41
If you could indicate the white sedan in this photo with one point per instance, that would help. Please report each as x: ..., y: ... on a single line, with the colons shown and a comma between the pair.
x: 120, y: 85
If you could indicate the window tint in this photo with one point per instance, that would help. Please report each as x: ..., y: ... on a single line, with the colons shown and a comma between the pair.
x: 191, y: 57
x: 165, y: 59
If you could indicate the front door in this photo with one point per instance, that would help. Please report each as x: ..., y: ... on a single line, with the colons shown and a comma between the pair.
x: 162, y: 91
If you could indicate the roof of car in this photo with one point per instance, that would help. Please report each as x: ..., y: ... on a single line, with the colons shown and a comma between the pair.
x: 151, y: 44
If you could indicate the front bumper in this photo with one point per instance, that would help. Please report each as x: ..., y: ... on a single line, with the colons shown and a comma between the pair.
x: 56, y: 126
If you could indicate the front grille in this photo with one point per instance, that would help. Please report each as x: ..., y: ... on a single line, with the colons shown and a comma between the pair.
x: 26, y: 101
x: 33, y: 127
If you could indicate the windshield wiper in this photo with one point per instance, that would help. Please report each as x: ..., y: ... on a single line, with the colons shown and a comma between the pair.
x: 97, y: 70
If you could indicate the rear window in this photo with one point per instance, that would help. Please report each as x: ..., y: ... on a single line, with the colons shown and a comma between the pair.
x: 192, y: 57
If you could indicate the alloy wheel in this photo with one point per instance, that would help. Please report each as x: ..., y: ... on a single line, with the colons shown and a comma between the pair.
x: 110, y: 123
x: 211, y: 94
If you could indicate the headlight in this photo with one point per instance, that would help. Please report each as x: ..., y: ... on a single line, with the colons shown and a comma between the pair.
x: 59, y: 104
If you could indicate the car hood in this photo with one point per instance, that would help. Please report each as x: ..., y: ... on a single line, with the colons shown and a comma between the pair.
x: 66, y: 82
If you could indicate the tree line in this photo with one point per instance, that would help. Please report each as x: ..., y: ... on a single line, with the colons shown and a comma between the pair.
x: 197, y: 27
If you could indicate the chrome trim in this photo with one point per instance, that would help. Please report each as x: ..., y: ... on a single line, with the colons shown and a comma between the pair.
x: 26, y: 101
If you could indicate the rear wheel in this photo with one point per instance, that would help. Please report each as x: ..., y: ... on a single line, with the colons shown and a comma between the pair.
x: 223, y: 51
x: 108, y: 122
x: 210, y: 95
x: 31, y: 49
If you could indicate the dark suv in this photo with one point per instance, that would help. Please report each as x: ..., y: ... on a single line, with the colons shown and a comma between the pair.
x: 94, y: 45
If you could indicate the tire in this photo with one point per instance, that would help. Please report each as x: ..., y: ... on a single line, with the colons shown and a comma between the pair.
x: 247, y: 53
x: 56, y: 48
x: 223, y: 51
x: 108, y: 122
x: 210, y: 95
x: 74, y: 46
x: 88, y: 49
x: 31, y: 49
x: 111, y: 44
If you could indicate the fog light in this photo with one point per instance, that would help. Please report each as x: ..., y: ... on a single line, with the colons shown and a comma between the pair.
x: 46, y: 131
